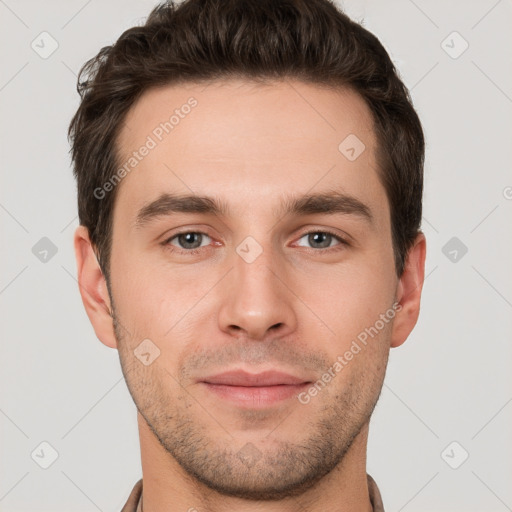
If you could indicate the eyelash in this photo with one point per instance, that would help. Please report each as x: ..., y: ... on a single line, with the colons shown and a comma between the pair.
x: 166, y: 243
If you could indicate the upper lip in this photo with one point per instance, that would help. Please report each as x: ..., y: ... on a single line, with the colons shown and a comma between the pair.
x: 242, y: 378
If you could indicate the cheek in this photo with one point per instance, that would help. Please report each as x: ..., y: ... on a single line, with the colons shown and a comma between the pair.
x: 138, y: 293
x: 350, y: 299
x: 158, y: 302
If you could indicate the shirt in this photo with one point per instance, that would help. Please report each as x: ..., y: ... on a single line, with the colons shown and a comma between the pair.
x: 134, y: 502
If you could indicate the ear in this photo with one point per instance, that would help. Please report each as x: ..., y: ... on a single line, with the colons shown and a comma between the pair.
x: 93, y: 288
x: 408, y: 293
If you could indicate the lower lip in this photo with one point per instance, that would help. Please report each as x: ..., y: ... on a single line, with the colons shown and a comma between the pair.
x: 256, y: 397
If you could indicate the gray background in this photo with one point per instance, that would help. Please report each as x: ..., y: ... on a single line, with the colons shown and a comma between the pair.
x: 450, y: 382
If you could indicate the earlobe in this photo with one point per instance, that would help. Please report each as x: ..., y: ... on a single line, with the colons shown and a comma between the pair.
x: 93, y: 288
x: 408, y: 293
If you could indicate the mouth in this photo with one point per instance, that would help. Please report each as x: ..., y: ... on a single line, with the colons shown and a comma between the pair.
x: 254, y: 391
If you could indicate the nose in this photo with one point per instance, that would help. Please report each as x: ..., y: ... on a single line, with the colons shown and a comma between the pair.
x: 256, y: 301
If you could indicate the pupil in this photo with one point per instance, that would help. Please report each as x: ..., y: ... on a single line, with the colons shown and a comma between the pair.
x: 188, y: 239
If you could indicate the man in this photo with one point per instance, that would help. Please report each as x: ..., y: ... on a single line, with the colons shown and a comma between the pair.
x: 249, y: 190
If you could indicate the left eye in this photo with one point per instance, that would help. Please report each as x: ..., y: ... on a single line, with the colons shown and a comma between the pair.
x: 321, y: 239
x: 189, y: 240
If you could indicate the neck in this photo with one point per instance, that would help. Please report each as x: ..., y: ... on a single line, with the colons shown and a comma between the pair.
x: 166, y: 486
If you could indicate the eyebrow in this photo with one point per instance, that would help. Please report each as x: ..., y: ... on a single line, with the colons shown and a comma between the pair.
x: 331, y: 202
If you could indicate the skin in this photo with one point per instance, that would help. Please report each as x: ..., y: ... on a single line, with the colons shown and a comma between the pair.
x: 296, y: 308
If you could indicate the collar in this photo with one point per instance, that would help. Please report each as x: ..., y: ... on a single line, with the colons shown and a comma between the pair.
x: 134, y: 503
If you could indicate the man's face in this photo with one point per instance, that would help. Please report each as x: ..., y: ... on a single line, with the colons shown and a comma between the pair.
x: 254, y: 288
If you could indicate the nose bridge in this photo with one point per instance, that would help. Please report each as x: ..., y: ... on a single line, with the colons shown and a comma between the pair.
x: 257, y: 300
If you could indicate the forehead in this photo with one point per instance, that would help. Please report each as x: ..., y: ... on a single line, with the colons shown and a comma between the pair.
x: 242, y: 110
x: 231, y: 136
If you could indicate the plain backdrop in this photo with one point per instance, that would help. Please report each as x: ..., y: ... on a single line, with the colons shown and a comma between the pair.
x: 440, y: 435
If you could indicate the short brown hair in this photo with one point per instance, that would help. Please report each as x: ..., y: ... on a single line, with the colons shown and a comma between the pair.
x: 205, y: 40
